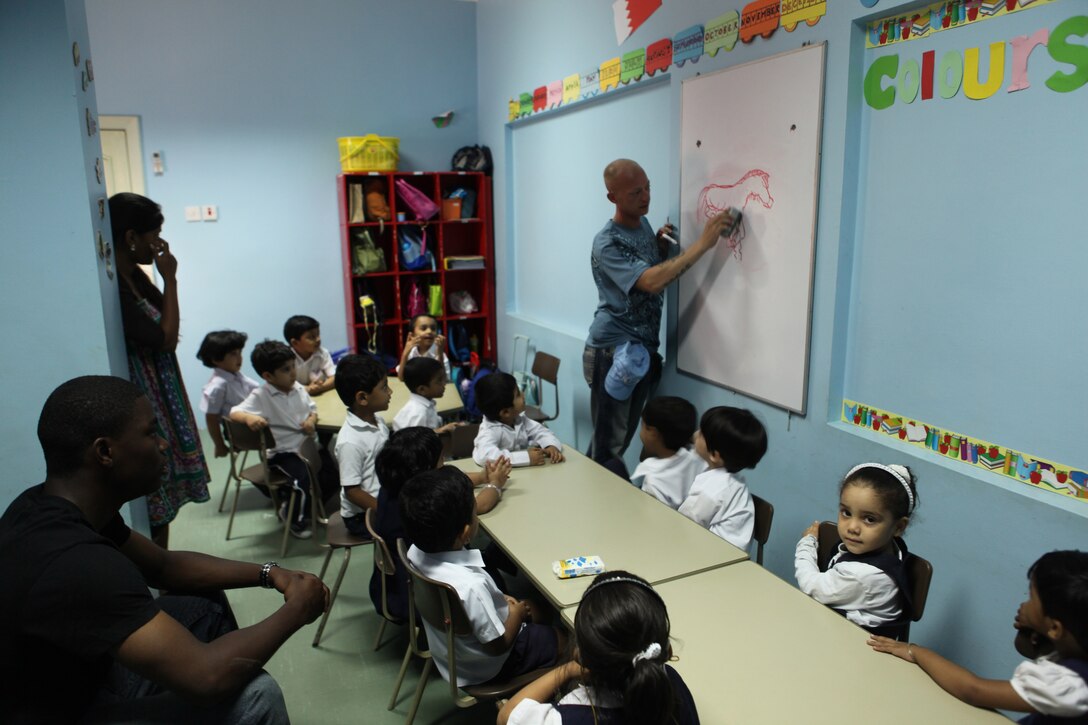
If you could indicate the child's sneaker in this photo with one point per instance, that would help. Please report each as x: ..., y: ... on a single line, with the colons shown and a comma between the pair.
x: 299, y: 529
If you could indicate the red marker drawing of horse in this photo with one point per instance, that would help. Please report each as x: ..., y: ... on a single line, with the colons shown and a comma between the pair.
x: 716, y: 198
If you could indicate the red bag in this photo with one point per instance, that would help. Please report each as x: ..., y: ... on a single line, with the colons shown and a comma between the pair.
x: 416, y: 305
x: 421, y: 206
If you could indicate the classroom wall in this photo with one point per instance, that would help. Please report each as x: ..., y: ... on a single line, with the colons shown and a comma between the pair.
x: 981, y: 537
x: 61, y: 315
x: 245, y: 100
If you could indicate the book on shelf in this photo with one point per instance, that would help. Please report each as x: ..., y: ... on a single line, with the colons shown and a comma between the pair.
x: 468, y: 261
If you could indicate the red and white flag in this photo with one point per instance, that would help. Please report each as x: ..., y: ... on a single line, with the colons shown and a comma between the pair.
x: 630, y: 14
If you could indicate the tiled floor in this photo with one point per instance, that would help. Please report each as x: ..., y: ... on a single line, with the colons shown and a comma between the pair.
x: 343, y: 680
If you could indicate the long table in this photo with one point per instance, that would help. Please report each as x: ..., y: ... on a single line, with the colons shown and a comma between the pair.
x: 574, y: 508
x: 331, y: 411
x: 754, y: 649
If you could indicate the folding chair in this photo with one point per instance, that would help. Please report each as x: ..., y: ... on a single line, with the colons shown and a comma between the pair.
x: 337, y: 536
x: 919, y: 572
x: 237, y: 461
x: 386, y: 564
x: 762, y: 531
x: 438, y: 604
x: 244, y: 440
x: 545, y: 368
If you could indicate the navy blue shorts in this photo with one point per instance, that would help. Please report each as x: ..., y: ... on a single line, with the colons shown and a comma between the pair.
x: 536, y: 646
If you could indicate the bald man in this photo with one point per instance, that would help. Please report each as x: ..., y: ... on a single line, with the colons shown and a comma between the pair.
x: 632, y: 266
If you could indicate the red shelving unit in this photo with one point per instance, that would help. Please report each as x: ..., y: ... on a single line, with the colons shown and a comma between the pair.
x: 445, y: 237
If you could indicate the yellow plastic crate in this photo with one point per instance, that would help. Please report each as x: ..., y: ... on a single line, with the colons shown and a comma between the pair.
x: 369, y: 153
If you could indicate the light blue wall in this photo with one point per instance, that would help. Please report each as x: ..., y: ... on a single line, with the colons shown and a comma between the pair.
x: 61, y: 315
x: 980, y: 537
x: 245, y: 99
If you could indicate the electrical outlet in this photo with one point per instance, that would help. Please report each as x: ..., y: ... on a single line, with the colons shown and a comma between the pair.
x: 192, y: 213
x: 211, y: 212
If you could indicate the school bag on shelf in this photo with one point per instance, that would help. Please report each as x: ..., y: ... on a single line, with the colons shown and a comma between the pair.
x: 415, y: 304
x: 472, y: 158
x: 367, y: 257
x: 434, y: 300
x: 417, y: 202
x: 414, y: 254
x: 462, y: 303
x: 468, y: 201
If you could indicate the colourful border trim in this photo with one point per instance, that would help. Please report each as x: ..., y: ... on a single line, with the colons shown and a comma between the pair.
x: 1037, y: 472
x: 947, y: 15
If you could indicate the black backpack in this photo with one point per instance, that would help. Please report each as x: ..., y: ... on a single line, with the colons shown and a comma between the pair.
x: 472, y: 158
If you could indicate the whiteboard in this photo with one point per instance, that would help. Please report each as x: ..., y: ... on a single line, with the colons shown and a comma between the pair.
x: 750, y: 138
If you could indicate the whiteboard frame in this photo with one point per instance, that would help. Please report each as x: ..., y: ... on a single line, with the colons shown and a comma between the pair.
x: 801, y: 410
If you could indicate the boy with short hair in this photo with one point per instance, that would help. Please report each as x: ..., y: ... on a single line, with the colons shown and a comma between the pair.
x: 729, y: 440
x: 426, y: 381
x: 363, y: 385
x: 222, y: 352
x: 283, y: 406
x: 438, y: 510
x: 670, y: 465
x: 505, y: 431
x: 313, y: 364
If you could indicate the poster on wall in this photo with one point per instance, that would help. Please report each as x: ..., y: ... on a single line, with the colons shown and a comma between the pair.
x: 745, y: 307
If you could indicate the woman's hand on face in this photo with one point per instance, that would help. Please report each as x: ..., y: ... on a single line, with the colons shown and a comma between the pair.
x: 165, y: 261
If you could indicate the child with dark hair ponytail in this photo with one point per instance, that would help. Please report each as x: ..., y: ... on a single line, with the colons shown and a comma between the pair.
x: 619, y: 670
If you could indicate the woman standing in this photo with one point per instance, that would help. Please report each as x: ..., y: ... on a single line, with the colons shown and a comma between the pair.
x: 150, y: 319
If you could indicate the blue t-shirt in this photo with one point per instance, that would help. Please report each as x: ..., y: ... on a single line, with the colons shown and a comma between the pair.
x: 624, y: 314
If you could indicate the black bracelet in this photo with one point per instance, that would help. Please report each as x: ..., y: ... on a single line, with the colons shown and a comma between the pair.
x: 266, y: 569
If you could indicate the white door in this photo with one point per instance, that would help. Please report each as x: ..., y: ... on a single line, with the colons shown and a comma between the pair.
x: 122, y: 160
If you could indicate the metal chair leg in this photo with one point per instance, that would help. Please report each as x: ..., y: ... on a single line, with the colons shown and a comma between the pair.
x: 234, y: 507
x: 335, y: 590
x: 226, y: 489
x: 381, y: 631
x: 400, y: 676
x: 419, y: 691
x: 287, y: 522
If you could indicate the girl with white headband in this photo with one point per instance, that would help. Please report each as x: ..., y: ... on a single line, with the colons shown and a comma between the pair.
x: 866, y: 580
x: 619, y: 672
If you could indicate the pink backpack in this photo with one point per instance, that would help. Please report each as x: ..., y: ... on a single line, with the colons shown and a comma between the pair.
x: 421, y: 206
x: 416, y: 305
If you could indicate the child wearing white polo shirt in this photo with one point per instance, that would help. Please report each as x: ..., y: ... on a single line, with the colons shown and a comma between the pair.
x: 729, y: 440
x: 426, y: 381
x: 363, y: 386
x: 222, y: 352
x: 669, y: 465
x: 283, y: 406
x: 438, y: 511
x: 313, y: 364
x: 505, y: 431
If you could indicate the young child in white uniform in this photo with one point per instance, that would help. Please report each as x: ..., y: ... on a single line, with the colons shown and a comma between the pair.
x: 669, y: 465
x: 505, y: 431
x: 866, y: 580
x: 426, y: 381
x: 314, y: 367
x: 1052, y: 630
x: 222, y: 352
x: 729, y: 440
x: 424, y: 340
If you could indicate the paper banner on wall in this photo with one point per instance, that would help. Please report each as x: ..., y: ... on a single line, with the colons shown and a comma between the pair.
x: 628, y: 15
x: 591, y: 82
x: 759, y: 18
x: 968, y: 450
x: 514, y: 110
x: 571, y: 88
x: 610, y: 74
x: 795, y: 12
x: 540, y: 99
x: 526, y: 108
x: 633, y: 65
x: 555, y: 94
x: 658, y: 56
x: 687, y: 45
x: 721, y: 33
x: 941, y: 16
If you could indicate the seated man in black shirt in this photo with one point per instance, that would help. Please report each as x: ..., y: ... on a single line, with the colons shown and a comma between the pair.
x: 74, y: 599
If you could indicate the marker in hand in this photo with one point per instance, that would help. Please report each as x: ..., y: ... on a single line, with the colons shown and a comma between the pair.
x: 666, y: 235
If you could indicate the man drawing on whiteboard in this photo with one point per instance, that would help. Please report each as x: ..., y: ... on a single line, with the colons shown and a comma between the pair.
x: 632, y: 266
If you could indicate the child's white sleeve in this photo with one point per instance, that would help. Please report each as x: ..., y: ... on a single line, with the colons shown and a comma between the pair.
x: 835, y: 587
x: 1051, y: 688
x: 251, y: 405
x: 540, y: 435
x: 488, y: 447
x: 213, y: 398
x: 531, y: 712
x: 327, y: 365
x: 409, y: 416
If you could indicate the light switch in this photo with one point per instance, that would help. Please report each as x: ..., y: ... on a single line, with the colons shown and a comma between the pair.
x: 211, y: 212
x: 192, y: 213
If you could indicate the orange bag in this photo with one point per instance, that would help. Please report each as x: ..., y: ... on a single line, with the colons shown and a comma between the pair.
x: 377, y: 203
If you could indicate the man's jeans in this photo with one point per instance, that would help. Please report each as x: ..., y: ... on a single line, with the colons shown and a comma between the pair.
x: 614, y: 421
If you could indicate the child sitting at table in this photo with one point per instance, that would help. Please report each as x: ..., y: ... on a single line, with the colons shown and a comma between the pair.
x: 424, y: 340
x: 1052, y: 630
x: 313, y: 364
x: 283, y: 406
x: 866, y: 580
x: 363, y: 386
x: 505, y: 430
x: 729, y: 440
x: 222, y: 352
x: 407, y: 452
x: 426, y: 382
x: 439, y: 514
x: 669, y: 465
x: 621, y: 636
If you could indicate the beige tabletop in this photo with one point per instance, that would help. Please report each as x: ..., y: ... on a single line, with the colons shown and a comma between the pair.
x: 331, y: 411
x: 575, y: 508
x: 754, y: 649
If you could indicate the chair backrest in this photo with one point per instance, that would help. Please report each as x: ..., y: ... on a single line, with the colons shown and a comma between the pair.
x: 462, y: 440
x: 242, y: 438
x: 762, y: 529
x: 827, y: 544
x: 546, y: 367
x: 310, y: 453
x: 383, y: 559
